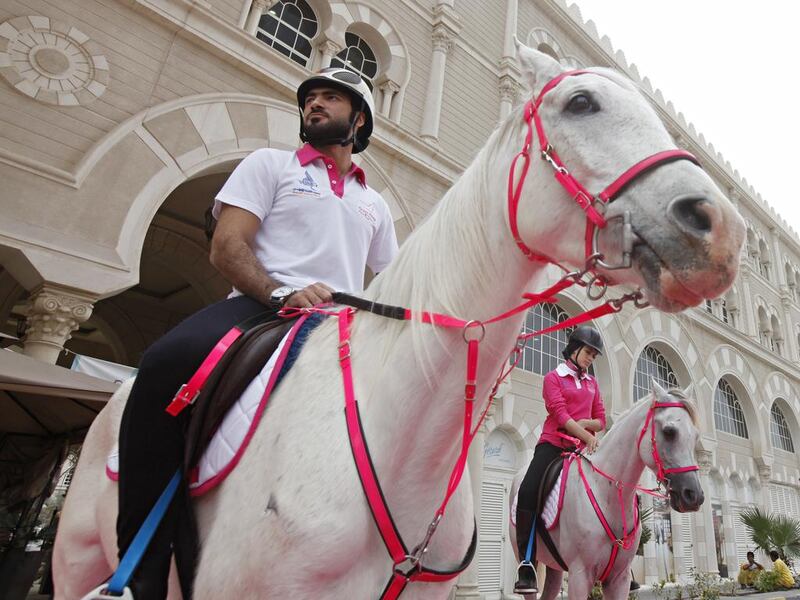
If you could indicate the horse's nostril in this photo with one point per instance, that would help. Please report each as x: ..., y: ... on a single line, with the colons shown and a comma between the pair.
x: 691, y: 213
x: 689, y: 496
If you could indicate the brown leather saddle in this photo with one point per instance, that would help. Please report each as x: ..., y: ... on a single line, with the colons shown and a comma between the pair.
x: 228, y: 380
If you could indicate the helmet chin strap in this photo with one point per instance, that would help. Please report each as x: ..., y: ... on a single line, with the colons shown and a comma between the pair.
x: 345, y: 141
x: 574, y: 362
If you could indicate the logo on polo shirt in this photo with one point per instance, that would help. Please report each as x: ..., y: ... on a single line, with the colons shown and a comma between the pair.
x: 308, y: 187
x: 368, y: 211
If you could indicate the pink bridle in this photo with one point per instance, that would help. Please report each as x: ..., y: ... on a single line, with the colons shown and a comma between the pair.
x: 578, y: 192
x: 625, y: 541
x: 661, y: 472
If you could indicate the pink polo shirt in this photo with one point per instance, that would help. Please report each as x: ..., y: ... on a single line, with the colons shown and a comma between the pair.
x: 567, y: 396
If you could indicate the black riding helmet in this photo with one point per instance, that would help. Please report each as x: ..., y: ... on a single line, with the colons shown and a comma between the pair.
x: 583, y: 336
x: 359, y: 91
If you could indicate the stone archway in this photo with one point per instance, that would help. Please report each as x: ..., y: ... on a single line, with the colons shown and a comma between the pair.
x: 197, y: 141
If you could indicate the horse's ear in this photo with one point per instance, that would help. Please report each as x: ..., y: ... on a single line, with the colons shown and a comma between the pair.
x: 689, y: 391
x: 537, y: 67
x: 659, y: 391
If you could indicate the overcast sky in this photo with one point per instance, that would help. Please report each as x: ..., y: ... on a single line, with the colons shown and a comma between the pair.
x: 731, y: 67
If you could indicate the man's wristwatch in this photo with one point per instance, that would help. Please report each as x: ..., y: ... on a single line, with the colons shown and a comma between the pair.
x: 280, y: 295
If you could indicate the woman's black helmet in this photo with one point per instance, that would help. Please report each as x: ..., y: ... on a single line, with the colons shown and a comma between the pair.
x: 583, y: 336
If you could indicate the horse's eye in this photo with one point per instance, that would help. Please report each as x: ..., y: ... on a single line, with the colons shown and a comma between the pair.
x: 581, y: 104
x: 670, y: 432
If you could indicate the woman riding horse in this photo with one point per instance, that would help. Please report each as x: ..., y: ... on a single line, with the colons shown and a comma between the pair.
x: 574, y: 410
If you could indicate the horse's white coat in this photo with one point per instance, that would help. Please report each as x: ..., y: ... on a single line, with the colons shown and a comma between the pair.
x: 579, y: 536
x: 320, y: 540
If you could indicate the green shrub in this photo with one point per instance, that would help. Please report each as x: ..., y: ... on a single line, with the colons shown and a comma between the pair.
x: 766, y: 581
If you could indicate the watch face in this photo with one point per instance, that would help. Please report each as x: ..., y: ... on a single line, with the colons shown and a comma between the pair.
x: 280, y: 293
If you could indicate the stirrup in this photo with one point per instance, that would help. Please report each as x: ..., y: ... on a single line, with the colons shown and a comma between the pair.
x: 531, y: 590
x: 101, y: 593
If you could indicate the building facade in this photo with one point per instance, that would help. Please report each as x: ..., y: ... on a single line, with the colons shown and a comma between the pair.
x: 122, y: 118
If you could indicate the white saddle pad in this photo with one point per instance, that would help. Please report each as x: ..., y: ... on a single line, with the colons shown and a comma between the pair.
x: 233, y: 434
x: 550, y: 512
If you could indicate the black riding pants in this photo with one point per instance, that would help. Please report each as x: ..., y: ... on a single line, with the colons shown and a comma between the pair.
x: 151, y: 442
x: 528, y: 493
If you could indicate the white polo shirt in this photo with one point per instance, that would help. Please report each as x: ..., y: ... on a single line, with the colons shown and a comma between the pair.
x: 315, y: 226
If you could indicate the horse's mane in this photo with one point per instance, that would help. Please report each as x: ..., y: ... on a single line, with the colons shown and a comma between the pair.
x: 432, y: 260
x: 437, y: 255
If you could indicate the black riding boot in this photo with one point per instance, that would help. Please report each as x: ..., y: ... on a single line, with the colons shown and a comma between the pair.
x: 526, y: 573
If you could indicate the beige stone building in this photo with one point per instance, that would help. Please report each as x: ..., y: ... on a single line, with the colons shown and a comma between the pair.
x: 122, y: 118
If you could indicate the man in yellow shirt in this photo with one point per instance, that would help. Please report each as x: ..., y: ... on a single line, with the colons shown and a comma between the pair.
x: 785, y: 578
x: 749, y: 570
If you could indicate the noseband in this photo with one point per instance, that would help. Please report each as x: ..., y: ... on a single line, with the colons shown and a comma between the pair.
x: 593, y: 206
x: 661, y: 472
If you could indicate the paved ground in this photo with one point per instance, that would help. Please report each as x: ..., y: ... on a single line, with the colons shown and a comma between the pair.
x: 646, y: 592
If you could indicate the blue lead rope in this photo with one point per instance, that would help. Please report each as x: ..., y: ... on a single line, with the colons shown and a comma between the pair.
x: 529, y: 551
x: 133, y: 556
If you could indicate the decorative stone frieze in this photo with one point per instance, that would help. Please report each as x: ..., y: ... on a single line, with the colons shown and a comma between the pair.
x: 53, y: 315
x: 51, y: 62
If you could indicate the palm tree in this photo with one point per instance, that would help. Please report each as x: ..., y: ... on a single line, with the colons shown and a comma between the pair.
x: 772, y: 532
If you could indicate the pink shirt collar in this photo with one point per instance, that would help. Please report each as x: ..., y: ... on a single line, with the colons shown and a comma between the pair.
x: 308, y: 153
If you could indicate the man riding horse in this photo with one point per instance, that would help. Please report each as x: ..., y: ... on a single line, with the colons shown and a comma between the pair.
x: 292, y: 228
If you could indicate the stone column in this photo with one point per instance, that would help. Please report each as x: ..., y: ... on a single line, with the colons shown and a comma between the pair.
x: 509, y: 90
x: 705, y: 554
x: 510, y: 30
x: 777, y: 263
x: 256, y: 11
x: 445, y: 28
x: 388, y: 90
x: 790, y: 350
x: 467, y: 584
x: 53, y: 315
x: 245, y: 13
x: 747, y: 309
x: 328, y: 49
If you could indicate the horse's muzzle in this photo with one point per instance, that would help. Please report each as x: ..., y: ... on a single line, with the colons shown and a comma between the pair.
x: 685, y: 493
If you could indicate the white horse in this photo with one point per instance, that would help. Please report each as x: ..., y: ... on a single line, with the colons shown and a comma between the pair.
x: 578, y: 535
x: 291, y: 520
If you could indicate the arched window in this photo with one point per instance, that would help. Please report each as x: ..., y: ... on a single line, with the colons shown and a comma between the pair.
x: 652, y: 365
x: 289, y: 27
x: 542, y: 353
x: 547, y: 49
x: 779, y: 430
x: 358, y: 57
x: 728, y: 415
x: 725, y: 315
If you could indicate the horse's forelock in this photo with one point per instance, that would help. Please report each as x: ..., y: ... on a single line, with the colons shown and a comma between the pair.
x: 688, y: 403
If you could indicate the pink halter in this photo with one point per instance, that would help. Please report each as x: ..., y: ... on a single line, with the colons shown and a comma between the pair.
x: 661, y: 472
x: 573, y: 187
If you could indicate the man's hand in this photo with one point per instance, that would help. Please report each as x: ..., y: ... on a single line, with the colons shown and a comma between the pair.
x: 316, y: 293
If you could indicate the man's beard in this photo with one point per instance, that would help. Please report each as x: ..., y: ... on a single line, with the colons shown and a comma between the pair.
x: 328, y: 130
